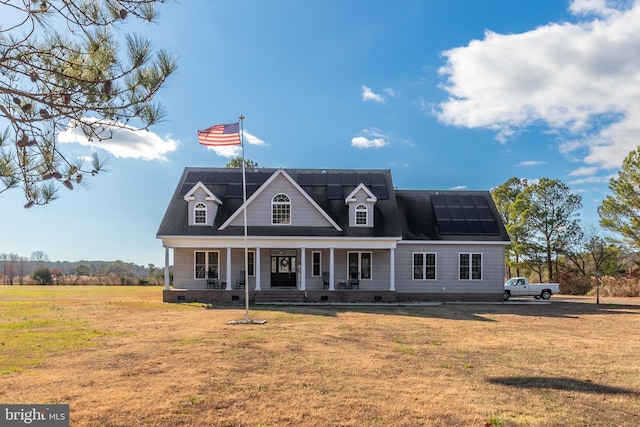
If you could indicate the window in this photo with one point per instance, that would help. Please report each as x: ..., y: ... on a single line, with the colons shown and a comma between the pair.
x: 206, y: 265
x: 315, y: 264
x: 281, y: 209
x: 470, y: 267
x: 361, y: 215
x: 424, y: 266
x: 251, y: 262
x: 200, y: 213
x: 359, y: 265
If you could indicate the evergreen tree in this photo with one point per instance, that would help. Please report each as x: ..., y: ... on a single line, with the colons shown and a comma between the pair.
x: 80, y: 77
x: 620, y: 211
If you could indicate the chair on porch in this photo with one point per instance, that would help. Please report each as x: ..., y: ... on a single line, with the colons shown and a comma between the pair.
x: 240, y: 281
x: 325, y: 280
x: 212, y: 280
x: 354, y: 282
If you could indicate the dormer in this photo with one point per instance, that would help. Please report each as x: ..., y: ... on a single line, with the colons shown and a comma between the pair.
x: 361, y: 202
x: 203, y: 205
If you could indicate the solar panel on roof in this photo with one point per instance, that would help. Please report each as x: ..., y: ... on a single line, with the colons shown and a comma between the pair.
x: 484, y: 213
x: 470, y: 213
x: 319, y: 179
x: 234, y: 191
x: 463, y: 214
x: 489, y: 227
x: 465, y: 201
x: 378, y: 179
x: 334, y: 179
x: 441, y: 212
x: 364, y: 179
x: 380, y: 192
x: 348, y: 179
x: 334, y: 192
x: 304, y: 179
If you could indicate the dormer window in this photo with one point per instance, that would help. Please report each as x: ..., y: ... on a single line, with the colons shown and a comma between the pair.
x: 200, y: 213
x: 281, y: 210
x: 361, y: 202
x: 202, y: 205
x: 361, y: 214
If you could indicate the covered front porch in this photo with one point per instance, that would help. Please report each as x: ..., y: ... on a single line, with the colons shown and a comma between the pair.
x: 291, y: 265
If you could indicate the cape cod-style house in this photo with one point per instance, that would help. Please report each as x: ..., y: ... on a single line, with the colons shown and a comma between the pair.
x: 328, y: 236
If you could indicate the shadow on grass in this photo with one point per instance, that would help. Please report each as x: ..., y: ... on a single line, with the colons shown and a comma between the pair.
x: 470, y: 311
x: 561, y: 383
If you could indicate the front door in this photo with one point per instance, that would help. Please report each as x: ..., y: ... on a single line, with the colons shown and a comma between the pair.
x: 283, y: 269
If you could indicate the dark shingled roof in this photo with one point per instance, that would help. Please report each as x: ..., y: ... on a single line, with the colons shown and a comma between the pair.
x: 414, y: 215
x: 449, y: 215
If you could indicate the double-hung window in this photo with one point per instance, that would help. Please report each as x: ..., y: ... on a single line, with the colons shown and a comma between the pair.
x: 424, y: 266
x: 251, y: 263
x: 359, y: 265
x: 470, y: 266
x: 206, y: 264
x: 315, y: 264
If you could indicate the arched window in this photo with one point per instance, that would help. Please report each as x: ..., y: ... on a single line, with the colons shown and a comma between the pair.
x: 361, y: 215
x: 200, y: 213
x: 281, y: 209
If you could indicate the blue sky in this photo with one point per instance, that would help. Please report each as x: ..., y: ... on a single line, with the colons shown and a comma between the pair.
x: 455, y: 94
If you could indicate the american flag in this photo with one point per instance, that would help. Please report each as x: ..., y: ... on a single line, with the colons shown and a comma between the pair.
x: 220, y: 135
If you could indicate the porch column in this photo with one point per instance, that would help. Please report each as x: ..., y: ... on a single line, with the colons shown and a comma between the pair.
x: 331, y: 272
x: 303, y: 274
x: 228, y: 268
x: 256, y: 268
x: 392, y: 270
x: 166, y: 269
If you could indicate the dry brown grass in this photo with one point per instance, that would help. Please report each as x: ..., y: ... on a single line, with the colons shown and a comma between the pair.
x: 568, y: 363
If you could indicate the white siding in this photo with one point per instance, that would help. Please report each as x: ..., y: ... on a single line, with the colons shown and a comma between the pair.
x: 303, y: 213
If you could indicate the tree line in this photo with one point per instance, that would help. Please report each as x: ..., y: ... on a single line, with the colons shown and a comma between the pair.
x: 37, y: 269
x: 549, y: 241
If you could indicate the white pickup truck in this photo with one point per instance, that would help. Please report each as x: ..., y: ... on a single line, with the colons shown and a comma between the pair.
x: 520, y: 287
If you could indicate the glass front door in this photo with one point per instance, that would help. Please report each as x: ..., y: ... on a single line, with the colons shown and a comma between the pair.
x: 283, y: 270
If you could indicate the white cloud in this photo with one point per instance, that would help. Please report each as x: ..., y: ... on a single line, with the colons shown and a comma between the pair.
x: 583, y: 171
x: 231, y: 151
x: 362, y: 142
x: 577, y: 80
x: 369, y: 138
x: 592, y: 180
x: 369, y: 95
x: 459, y: 187
x: 586, y: 7
x: 389, y: 91
x: 126, y: 142
x: 527, y: 163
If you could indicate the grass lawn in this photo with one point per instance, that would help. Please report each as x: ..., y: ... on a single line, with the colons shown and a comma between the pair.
x: 120, y: 357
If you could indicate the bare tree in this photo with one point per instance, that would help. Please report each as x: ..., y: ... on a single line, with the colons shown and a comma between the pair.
x: 39, y: 256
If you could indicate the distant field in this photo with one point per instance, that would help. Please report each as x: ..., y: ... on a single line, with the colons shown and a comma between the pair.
x: 120, y: 357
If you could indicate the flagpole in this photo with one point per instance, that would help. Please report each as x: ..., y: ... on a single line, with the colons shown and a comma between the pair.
x: 244, y: 214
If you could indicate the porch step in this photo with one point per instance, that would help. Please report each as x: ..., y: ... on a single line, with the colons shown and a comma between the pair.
x: 280, y: 295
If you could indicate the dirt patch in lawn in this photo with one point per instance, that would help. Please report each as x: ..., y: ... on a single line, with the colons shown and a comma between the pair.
x: 143, y: 362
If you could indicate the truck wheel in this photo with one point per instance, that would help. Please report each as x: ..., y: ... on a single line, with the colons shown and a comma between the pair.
x: 546, y: 294
x: 507, y: 294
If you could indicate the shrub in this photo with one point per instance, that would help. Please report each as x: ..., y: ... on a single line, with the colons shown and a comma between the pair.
x: 618, y: 286
x: 574, y: 284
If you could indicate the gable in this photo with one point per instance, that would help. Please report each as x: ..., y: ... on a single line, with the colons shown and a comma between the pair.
x: 304, y: 211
